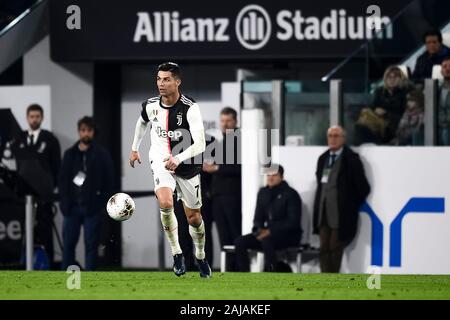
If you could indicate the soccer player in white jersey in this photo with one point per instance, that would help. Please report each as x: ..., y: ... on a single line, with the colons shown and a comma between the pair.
x: 175, y: 122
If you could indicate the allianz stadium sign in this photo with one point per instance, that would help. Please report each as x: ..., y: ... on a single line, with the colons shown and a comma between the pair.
x: 253, y: 27
x: 139, y: 29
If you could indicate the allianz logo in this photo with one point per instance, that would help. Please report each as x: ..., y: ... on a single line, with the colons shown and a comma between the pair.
x: 253, y: 27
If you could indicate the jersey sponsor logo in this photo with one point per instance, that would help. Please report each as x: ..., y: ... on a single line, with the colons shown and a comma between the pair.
x: 173, y: 135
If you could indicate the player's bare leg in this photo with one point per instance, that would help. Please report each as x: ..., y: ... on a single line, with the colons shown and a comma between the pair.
x: 197, y: 232
x: 170, y: 225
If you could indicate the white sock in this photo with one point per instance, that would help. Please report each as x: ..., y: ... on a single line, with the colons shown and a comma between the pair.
x: 170, y: 225
x: 198, y: 237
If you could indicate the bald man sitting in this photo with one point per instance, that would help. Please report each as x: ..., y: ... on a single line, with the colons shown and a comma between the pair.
x: 342, y: 188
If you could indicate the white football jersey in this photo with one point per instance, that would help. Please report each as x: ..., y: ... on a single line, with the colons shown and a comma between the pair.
x: 176, y: 130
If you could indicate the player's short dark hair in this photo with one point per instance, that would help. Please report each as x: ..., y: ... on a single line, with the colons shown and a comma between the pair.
x: 433, y: 33
x: 229, y: 111
x: 35, y: 107
x: 88, y: 122
x: 173, y: 67
x: 446, y: 59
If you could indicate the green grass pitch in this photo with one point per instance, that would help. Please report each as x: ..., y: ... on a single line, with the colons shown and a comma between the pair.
x: 222, y: 286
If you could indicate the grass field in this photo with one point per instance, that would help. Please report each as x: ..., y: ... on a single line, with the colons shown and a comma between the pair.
x: 237, y: 286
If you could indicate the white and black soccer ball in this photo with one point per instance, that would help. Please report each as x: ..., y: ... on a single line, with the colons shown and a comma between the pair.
x: 120, y: 207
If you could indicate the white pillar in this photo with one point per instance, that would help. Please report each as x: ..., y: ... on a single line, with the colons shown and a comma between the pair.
x: 29, y: 223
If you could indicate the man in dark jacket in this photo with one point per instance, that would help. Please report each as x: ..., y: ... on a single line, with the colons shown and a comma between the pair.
x: 342, y: 188
x: 226, y: 181
x: 435, y: 53
x: 85, y: 184
x: 277, y: 222
x: 41, y: 146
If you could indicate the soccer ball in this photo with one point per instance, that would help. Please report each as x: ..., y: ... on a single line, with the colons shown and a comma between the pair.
x: 120, y: 207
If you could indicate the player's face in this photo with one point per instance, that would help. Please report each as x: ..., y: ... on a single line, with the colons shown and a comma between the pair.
x: 86, y: 134
x: 335, y: 138
x: 227, y: 122
x: 273, y: 180
x: 167, y: 83
x: 34, y: 119
x: 432, y: 44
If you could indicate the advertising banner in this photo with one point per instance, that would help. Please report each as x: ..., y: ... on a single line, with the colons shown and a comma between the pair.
x: 223, y: 30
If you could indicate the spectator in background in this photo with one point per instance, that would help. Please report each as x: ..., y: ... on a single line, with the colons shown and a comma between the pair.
x: 434, y: 54
x: 226, y: 181
x: 410, y: 129
x: 85, y: 185
x: 342, y: 188
x: 42, y: 145
x: 277, y: 222
x: 444, y: 105
x: 389, y: 101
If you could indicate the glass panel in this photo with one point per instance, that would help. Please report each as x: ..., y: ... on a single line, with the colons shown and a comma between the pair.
x: 258, y: 95
x: 258, y: 86
x: 307, y: 112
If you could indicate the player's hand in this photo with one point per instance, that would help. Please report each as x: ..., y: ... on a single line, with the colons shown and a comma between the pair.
x: 262, y: 234
x: 171, y: 163
x: 133, y: 157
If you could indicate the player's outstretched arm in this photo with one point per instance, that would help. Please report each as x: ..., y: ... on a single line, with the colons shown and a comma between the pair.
x: 139, y: 132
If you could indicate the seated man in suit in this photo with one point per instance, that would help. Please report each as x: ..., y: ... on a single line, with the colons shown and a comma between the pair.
x: 277, y: 222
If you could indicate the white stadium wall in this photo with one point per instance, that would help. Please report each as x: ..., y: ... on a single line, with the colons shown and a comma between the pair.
x: 409, y: 197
